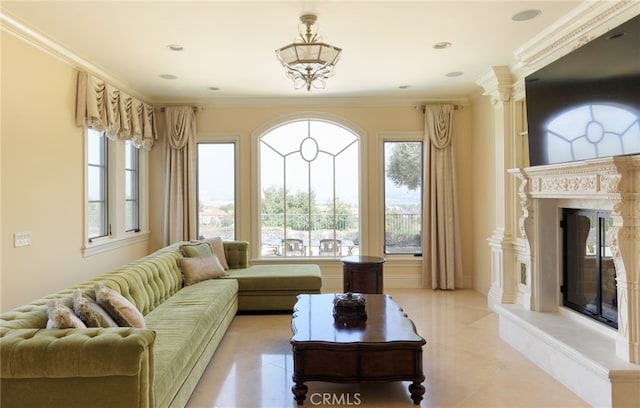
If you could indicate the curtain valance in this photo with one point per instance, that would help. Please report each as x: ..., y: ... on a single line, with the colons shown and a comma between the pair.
x: 106, y: 108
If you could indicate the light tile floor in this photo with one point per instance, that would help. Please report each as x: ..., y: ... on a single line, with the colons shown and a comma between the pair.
x: 465, y: 363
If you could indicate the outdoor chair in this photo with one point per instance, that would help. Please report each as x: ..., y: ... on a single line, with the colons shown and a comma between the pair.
x: 330, y: 247
x: 293, y: 246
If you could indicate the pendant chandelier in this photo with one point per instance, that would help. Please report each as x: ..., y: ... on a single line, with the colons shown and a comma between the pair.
x: 308, y: 60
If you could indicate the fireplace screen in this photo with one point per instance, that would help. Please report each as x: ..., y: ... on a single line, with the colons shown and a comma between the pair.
x: 589, y: 273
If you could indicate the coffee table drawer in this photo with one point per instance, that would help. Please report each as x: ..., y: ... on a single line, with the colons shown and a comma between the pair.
x: 390, y: 365
x: 317, y: 364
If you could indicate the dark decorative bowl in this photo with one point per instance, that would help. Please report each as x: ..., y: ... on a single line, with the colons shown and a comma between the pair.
x: 349, y: 306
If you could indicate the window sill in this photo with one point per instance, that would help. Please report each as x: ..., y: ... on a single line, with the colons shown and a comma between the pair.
x: 109, y: 244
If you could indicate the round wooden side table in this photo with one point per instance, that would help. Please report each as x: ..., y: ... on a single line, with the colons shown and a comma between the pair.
x: 362, y: 274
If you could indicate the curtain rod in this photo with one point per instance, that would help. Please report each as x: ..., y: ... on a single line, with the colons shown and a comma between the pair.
x: 423, y: 106
x: 195, y: 109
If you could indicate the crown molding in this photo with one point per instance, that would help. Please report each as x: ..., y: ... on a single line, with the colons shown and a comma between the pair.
x: 11, y: 25
x: 497, y: 83
x: 589, y: 20
x: 373, y: 101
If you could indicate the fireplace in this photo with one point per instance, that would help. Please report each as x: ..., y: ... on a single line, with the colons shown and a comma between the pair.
x: 575, y: 310
x: 589, y: 274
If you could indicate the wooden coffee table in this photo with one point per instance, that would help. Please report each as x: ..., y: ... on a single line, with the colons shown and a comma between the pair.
x: 383, y: 348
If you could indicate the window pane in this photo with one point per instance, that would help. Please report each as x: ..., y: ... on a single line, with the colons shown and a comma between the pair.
x: 130, y: 155
x: 131, y: 189
x: 309, y: 190
x: 130, y: 185
x: 95, y: 147
x: 131, y: 215
x: 216, y: 190
x: 403, y: 197
x: 97, y: 207
x: 96, y: 222
x: 95, y: 180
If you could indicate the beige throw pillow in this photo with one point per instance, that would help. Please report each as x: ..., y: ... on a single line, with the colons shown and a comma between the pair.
x: 61, y: 316
x: 91, y: 313
x: 121, y: 310
x: 200, y: 268
x: 218, y: 250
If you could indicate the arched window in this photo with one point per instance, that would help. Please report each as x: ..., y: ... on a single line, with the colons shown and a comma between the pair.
x: 309, y: 183
x: 592, y: 130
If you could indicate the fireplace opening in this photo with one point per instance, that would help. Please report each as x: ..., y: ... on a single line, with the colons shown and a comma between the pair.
x: 589, y: 278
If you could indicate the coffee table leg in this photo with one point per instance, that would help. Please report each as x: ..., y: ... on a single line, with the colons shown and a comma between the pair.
x: 417, y: 391
x: 300, y: 391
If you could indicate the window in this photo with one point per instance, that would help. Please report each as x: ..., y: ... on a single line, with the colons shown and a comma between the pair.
x: 309, y: 190
x: 97, y: 185
x: 116, y: 193
x: 132, y: 194
x: 216, y: 190
x: 403, y: 197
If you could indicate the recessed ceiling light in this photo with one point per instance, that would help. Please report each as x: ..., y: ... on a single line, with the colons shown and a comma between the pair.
x: 175, y: 47
x: 526, y: 15
x: 214, y: 88
x: 168, y: 76
x: 403, y: 87
x: 442, y: 45
x: 454, y: 74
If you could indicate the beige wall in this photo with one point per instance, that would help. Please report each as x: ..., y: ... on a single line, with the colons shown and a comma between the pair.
x: 42, y: 178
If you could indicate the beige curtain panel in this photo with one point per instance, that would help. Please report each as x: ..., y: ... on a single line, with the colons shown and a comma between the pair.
x: 442, y: 237
x: 105, y: 108
x: 181, y: 208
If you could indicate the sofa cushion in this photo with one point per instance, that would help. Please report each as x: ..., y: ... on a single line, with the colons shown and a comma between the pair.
x: 91, y: 313
x: 200, y: 268
x: 296, y: 277
x: 195, y: 249
x: 184, y: 325
x: 218, y: 249
x: 237, y: 254
x: 61, y: 316
x: 119, y: 308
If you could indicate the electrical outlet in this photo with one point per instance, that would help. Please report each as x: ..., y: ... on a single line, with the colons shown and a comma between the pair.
x: 22, y: 239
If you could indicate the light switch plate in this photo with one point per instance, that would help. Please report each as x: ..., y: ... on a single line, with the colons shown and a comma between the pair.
x: 22, y: 239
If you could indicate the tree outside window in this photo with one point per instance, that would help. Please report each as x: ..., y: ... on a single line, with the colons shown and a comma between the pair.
x: 403, y: 197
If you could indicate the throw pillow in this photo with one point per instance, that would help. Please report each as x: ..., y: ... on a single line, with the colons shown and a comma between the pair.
x: 121, y: 310
x: 194, y: 249
x: 218, y: 250
x: 90, y: 312
x: 200, y: 268
x: 61, y: 316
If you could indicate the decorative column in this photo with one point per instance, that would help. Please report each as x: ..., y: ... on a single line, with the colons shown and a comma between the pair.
x: 497, y: 84
x: 625, y: 247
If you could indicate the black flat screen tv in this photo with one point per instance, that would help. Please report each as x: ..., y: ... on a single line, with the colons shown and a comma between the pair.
x: 586, y: 104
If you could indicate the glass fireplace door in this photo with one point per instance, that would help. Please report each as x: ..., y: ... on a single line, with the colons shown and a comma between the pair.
x: 589, y: 285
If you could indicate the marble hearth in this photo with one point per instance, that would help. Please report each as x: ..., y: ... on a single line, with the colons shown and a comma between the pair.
x: 597, y: 362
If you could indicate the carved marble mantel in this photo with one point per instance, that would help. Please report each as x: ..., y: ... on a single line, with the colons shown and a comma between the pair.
x: 608, y: 184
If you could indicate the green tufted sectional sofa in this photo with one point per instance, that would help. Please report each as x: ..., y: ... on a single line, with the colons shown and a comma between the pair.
x: 158, y: 366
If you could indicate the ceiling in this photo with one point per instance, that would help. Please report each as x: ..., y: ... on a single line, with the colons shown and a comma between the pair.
x: 229, y: 45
